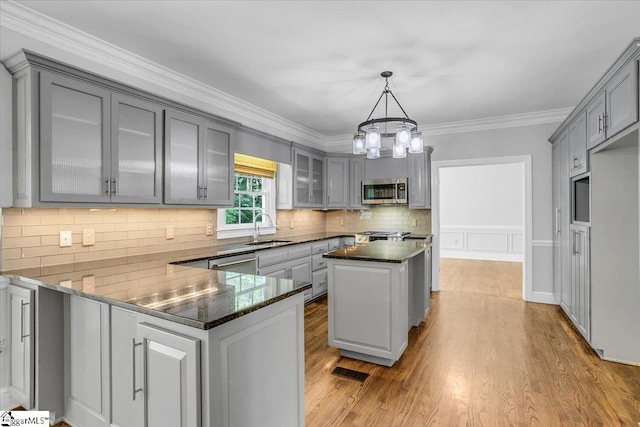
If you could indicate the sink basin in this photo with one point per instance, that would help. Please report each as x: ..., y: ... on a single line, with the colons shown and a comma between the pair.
x: 267, y: 242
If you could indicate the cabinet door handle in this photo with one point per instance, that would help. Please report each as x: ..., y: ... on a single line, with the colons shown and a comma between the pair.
x: 22, y: 334
x: 199, y: 192
x: 205, y: 191
x: 604, y: 121
x: 133, y: 368
x: 107, y: 186
x: 599, y: 123
x: 557, y: 221
x: 114, y: 186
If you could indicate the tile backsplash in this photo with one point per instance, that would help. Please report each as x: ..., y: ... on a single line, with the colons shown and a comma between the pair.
x: 30, y: 237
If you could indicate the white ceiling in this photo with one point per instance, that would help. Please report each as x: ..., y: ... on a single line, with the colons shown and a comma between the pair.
x: 317, y: 63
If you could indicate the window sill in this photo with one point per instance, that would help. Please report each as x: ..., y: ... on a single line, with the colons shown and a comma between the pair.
x: 243, y: 232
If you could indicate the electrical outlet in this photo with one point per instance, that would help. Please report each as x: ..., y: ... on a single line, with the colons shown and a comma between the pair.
x: 209, y: 229
x: 170, y: 232
x: 66, y: 283
x: 88, y: 237
x: 89, y: 283
x: 414, y: 222
x: 65, y: 239
x: 341, y: 221
x: 170, y: 270
x: 291, y: 224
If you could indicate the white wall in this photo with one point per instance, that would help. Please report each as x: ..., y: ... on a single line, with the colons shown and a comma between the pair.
x: 517, y: 141
x: 481, y: 212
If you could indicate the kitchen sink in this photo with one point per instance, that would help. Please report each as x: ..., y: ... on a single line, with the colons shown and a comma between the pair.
x: 267, y: 242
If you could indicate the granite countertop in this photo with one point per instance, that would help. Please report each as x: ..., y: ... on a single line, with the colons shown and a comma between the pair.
x: 150, y: 284
x: 380, y: 251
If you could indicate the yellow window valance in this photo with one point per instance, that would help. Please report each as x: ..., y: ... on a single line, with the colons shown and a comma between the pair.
x: 250, y: 165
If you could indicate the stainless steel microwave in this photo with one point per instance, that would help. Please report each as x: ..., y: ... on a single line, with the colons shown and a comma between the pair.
x: 384, y: 191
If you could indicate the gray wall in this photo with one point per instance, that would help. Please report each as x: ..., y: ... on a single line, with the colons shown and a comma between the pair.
x: 517, y: 141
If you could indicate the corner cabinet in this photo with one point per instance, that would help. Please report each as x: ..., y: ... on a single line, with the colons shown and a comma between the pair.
x: 308, y: 180
x: 337, y: 179
x: 198, y: 161
x: 420, y: 179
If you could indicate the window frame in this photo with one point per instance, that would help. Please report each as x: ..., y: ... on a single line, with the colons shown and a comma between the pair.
x: 229, y: 231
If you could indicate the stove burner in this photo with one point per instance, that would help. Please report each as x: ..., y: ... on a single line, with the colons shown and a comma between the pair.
x: 370, y: 236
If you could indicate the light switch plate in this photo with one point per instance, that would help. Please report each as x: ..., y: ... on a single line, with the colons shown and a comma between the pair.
x: 88, y: 237
x: 170, y: 232
x: 66, y: 283
x: 170, y: 270
x: 414, y: 222
x: 209, y: 229
x: 65, y: 239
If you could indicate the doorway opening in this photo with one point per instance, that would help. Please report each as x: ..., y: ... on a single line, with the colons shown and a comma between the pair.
x: 477, y: 232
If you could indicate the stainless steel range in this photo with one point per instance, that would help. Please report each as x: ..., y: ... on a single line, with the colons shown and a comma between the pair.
x: 370, y: 236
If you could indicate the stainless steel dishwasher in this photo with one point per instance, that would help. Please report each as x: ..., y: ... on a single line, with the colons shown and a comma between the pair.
x: 245, y: 263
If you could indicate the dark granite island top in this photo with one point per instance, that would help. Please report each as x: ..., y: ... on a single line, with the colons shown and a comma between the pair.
x: 149, y: 284
x: 380, y: 251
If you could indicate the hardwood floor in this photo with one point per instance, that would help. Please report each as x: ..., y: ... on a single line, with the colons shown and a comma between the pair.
x: 479, y: 359
x: 499, y: 278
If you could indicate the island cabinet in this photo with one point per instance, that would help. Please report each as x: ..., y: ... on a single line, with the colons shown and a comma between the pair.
x: 308, y: 179
x: 198, y: 161
x: 337, y: 179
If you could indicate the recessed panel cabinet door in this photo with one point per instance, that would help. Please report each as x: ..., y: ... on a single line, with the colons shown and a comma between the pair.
x: 622, y: 101
x: 21, y: 344
x: 171, y: 378
x: 136, y: 150
x: 74, y: 140
x: 337, y: 182
x: 182, y: 159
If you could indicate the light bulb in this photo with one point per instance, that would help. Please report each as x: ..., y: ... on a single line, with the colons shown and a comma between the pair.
x: 359, y: 143
x: 373, y: 137
x: 399, y: 152
x: 403, y: 136
x: 373, y: 153
x: 417, y: 143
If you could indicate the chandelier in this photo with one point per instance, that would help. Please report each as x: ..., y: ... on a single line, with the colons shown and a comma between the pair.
x: 402, y: 129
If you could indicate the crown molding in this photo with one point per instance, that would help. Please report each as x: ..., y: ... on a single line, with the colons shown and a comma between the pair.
x: 44, y: 29
x: 19, y: 18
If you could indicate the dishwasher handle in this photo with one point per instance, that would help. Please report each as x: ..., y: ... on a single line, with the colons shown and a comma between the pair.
x: 217, y: 266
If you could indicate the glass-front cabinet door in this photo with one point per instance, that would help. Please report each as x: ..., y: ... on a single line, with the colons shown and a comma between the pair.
x: 302, y: 196
x: 218, y: 167
x: 136, y: 150
x: 74, y: 138
x: 317, y: 184
x: 182, y: 158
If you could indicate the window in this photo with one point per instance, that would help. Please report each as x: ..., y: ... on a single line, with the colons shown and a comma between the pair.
x: 253, y: 195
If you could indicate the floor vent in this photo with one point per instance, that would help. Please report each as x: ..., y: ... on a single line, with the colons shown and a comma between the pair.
x: 349, y: 373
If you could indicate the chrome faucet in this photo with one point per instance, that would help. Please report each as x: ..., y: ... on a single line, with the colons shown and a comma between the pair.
x: 256, y: 226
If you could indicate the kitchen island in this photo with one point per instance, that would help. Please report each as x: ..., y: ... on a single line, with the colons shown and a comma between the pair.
x: 377, y: 292
x: 139, y: 341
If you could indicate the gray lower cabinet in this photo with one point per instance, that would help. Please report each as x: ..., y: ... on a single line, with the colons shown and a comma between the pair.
x: 198, y: 161
x: 561, y: 222
x: 155, y: 377
x: 337, y: 179
x: 292, y: 263
x: 21, y: 334
x: 580, y: 279
x: 96, y: 145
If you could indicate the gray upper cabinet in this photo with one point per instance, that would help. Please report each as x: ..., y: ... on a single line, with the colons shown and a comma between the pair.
x: 385, y: 167
x: 420, y: 180
x: 198, y: 161
x: 337, y: 179
x: 622, y: 101
x: 75, y: 143
x: 96, y: 145
x: 356, y: 173
x: 308, y: 180
x: 136, y: 150
x: 578, y: 160
x: 615, y: 108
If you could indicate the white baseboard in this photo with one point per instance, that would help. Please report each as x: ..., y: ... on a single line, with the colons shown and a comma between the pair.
x: 6, y: 402
x: 487, y: 256
x: 542, y: 298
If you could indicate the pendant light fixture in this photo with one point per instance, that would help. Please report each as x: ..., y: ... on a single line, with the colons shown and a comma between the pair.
x: 403, y: 130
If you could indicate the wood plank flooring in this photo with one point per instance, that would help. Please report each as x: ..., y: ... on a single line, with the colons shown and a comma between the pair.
x: 481, y: 358
x: 499, y: 278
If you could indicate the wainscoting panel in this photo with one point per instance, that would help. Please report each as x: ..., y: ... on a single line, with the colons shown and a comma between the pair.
x: 482, y: 242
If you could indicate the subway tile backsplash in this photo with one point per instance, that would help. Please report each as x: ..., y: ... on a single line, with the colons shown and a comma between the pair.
x: 30, y: 237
